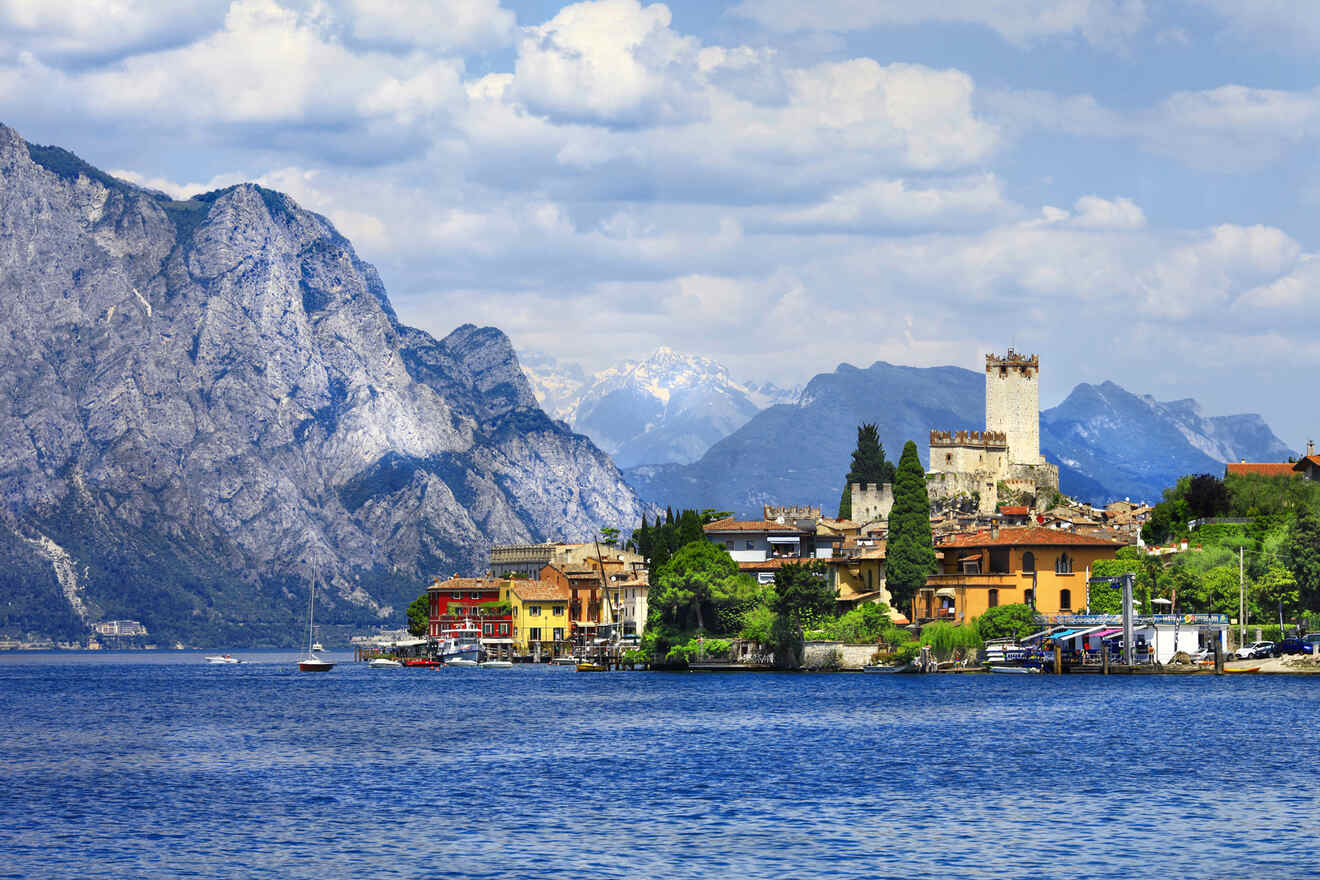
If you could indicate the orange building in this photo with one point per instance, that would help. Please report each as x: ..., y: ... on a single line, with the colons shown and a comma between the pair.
x: 1044, y: 568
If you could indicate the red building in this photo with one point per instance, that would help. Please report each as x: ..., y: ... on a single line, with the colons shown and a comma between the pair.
x: 459, y: 599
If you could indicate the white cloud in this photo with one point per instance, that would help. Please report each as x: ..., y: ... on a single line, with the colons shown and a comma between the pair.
x: 1093, y: 212
x: 1102, y: 22
x: 1293, y: 298
x: 441, y: 25
x: 608, y: 61
x: 1293, y: 23
x: 888, y: 203
x: 95, y: 29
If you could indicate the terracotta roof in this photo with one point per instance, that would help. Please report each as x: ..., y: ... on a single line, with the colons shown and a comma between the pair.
x: 1260, y: 468
x: 1015, y: 511
x: 755, y: 525
x: 1028, y: 536
x: 456, y: 584
x: 772, y: 564
x: 1312, y: 460
x: 539, y: 591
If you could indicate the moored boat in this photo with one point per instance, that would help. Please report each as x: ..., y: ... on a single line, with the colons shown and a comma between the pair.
x: 313, y: 663
x: 497, y: 664
x: 462, y: 661
x: 384, y: 663
x: 1015, y: 670
x: 883, y: 669
x: 587, y: 666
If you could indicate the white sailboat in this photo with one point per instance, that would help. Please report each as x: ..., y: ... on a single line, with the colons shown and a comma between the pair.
x: 313, y: 663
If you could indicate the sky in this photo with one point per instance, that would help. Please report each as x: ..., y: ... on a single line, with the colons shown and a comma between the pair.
x: 1125, y: 187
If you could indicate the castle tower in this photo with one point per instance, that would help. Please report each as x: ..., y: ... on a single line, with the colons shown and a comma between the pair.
x: 1012, y: 403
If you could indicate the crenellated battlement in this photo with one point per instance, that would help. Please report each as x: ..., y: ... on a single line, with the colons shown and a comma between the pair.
x: 1013, y: 361
x: 977, y: 439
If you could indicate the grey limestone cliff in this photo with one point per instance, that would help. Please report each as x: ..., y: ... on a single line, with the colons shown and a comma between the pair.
x: 205, y: 405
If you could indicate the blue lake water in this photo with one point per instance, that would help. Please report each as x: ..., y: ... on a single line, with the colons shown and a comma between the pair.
x: 157, y: 765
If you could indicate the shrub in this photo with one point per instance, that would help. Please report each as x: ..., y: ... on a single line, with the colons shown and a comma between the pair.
x: 1006, y: 622
x: 945, y: 638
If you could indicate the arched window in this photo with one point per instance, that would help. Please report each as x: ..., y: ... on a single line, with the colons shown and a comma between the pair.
x: 1063, y: 565
x: 1028, y: 561
x: 1065, y: 600
x: 994, y: 598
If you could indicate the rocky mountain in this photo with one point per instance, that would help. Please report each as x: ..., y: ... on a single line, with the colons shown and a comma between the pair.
x: 669, y: 407
x: 1108, y: 443
x: 1134, y: 446
x: 208, y: 404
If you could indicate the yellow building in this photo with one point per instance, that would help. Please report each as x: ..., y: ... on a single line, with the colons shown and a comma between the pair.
x: 540, y: 617
x: 1044, y: 568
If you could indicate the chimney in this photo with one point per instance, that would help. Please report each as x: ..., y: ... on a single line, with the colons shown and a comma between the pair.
x: 1310, y: 448
x: 994, y: 529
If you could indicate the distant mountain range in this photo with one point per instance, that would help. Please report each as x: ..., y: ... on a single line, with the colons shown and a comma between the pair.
x: 668, y: 408
x: 205, y: 405
x: 1108, y: 443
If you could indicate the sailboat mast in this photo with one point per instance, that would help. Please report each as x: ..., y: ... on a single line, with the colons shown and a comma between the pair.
x: 311, y: 612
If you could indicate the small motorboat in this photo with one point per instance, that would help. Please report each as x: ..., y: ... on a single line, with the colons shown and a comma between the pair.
x: 222, y: 660
x: 461, y: 661
x: 882, y: 669
x: 497, y: 664
x: 1015, y: 670
x: 587, y: 666
x: 383, y: 663
x: 1245, y: 671
x: 312, y: 663
x: 563, y: 661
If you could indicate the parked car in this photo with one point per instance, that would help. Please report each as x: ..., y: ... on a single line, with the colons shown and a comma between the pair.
x: 1254, y: 651
x: 1294, y: 645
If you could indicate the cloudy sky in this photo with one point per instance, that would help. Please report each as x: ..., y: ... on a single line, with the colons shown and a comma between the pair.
x: 1127, y: 187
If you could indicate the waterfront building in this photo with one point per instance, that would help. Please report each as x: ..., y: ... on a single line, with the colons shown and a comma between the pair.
x: 541, y: 623
x: 527, y: 560
x: 763, y: 539
x: 484, y: 601
x: 1044, y: 568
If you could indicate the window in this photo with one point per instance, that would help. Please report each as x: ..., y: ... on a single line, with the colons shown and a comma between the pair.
x: 486, y: 629
x: 504, y: 629
x: 533, y: 610
x: 729, y: 543
x: 1029, y: 597
x: 559, y: 611
x: 948, y: 458
x: 456, y: 595
x: 1065, y: 600
x: 994, y: 598
x: 475, y: 596
x: 559, y: 634
x: 534, y: 634
x: 1064, y: 564
x: 1028, y: 561
x: 749, y: 545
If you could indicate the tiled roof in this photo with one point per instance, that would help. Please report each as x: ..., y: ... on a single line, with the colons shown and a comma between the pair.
x: 772, y: 564
x: 1312, y: 460
x: 456, y: 584
x: 1015, y: 511
x: 1261, y: 468
x: 1028, y: 536
x: 755, y: 525
x: 539, y: 591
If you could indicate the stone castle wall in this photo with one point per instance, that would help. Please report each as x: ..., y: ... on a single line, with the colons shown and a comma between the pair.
x: 1012, y: 403
x: 871, y: 501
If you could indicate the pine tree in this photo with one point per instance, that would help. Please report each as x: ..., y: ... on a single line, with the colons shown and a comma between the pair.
x: 869, y: 465
x: 642, y: 538
x: 910, y: 551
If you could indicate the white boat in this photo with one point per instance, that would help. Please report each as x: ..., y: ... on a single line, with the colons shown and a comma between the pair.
x: 313, y: 663
x: 222, y: 660
x: 497, y: 664
x: 564, y: 661
x: 461, y: 661
x: 384, y: 663
x: 882, y: 669
x: 317, y: 647
x: 1015, y: 670
x: 460, y: 642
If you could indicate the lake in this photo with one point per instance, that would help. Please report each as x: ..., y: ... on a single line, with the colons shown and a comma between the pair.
x: 158, y: 765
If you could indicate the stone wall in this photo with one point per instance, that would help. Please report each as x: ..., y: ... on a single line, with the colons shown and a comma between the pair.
x: 941, y: 486
x: 822, y: 655
x: 871, y: 501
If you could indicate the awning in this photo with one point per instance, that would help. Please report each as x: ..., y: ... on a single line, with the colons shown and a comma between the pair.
x: 974, y: 556
x: 1066, y: 634
x: 1091, y: 630
x: 486, y: 641
x: 1109, y: 631
x: 793, y: 540
x: 1040, y: 635
x: 945, y: 593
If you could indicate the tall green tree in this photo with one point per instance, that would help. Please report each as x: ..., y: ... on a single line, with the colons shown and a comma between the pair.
x: 1302, y: 551
x: 910, y: 551
x: 802, y: 594
x: 869, y: 465
x: 419, y: 616
x: 700, y: 575
x: 689, y: 528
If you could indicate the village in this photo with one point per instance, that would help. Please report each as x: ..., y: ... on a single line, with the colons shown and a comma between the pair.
x: 1002, y: 536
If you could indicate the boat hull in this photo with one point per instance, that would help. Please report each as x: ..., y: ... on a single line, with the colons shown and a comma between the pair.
x: 1015, y: 670
x: 313, y: 664
x: 497, y: 664
x: 382, y: 663
x: 462, y: 661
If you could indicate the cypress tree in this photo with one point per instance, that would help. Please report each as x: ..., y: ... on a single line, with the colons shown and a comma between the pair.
x: 689, y: 528
x: 642, y: 537
x: 845, y: 502
x: 910, y: 551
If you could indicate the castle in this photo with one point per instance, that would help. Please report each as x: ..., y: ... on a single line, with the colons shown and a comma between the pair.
x: 975, y: 463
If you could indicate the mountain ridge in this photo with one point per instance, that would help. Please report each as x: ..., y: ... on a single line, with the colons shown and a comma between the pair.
x: 211, y: 403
